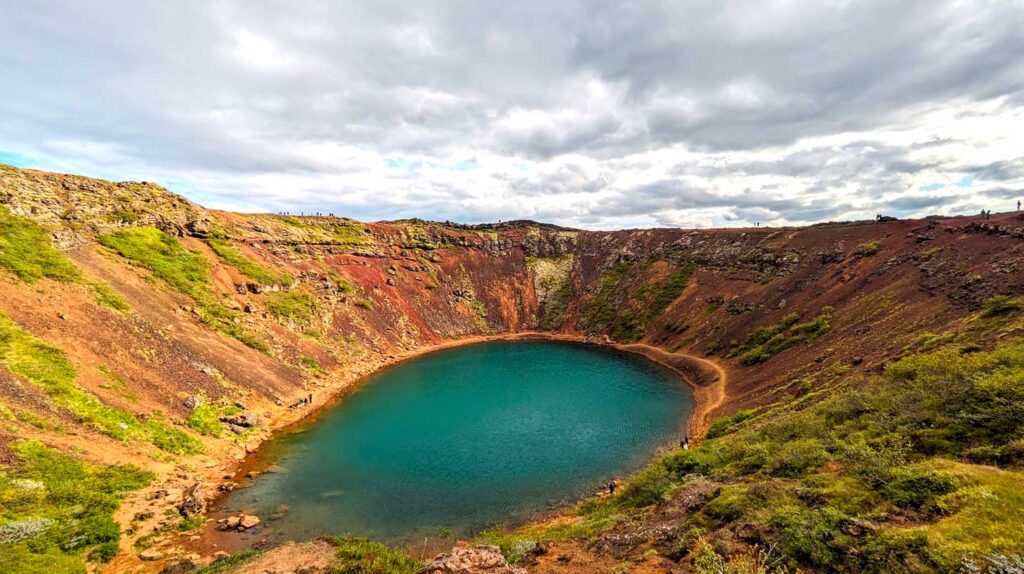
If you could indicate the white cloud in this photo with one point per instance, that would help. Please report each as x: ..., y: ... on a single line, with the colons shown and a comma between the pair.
x: 601, y: 115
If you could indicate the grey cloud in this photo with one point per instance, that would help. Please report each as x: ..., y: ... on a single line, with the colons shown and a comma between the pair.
x: 318, y: 94
x: 1004, y: 170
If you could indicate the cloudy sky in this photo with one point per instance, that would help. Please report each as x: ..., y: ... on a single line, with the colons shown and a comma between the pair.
x: 588, y: 114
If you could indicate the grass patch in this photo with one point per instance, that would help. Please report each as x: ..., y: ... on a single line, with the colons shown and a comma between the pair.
x: 27, y: 252
x: 722, y: 425
x: 228, y: 562
x: 291, y: 306
x: 184, y: 271
x: 258, y: 273
x: 55, y: 509
x: 362, y: 556
x: 311, y: 364
x: 1000, y: 306
x: 869, y: 248
x: 46, y: 367
x: 205, y: 418
x: 191, y: 523
x: 649, y: 301
x: 766, y: 342
x: 479, y: 312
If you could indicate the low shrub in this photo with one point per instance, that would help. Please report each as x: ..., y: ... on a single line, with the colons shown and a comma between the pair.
x: 919, y: 490
x: 228, y: 563
x: 72, y: 500
x: 1001, y: 305
x: 766, y: 342
x: 722, y: 425
x: 362, y: 556
x: 869, y: 248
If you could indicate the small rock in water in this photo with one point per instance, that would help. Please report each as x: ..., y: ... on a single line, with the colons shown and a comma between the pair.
x: 279, y: 512
x: 247, y: 521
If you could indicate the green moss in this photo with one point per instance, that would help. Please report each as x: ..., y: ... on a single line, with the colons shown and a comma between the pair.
x: 107, y: 297
x: 46, y: 367
x: 184, y: 271
x: 479, y: 312
x: 311, y: 364
x: 1001, y: 305
x: 292, y: 306
x: 556, y: 306
x: 766, y: 342
x: 191, y: 523
x: 53, y: 507
x: 258, y: 273
x: 362, y: 556
x: 869, y: 248
x: 26, y: 251
x: 205, y: 418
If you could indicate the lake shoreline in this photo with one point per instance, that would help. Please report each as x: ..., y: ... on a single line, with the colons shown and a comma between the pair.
x: 706, y: 391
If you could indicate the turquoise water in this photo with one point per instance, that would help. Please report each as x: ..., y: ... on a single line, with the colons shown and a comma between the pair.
x: 464, y: 439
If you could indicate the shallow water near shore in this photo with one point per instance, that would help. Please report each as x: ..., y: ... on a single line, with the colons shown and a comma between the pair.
x: 463, y: 439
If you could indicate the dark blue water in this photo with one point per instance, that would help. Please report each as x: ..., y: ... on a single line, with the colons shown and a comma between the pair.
x: 467, y: 438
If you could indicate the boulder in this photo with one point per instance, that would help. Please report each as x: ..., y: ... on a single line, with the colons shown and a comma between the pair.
x: 150, y: 554
x: 856, y: 527
x: 247, y: 521
x: 193, y: 501
x: 476, y: 559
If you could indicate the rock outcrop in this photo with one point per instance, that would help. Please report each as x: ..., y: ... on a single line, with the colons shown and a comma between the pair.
x: 476, y: 559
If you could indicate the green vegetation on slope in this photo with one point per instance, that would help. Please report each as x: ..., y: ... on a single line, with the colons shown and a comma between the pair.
x: 362, y: 556
x: 649, y: 301
x: 766, y: 342
x: 626, y: 315
x: 184, y: 271
x: 258, y: 273
x: 556, y: 305
x: 205, y: 417
x: 228, y: 563
x: 46, y: 367
x: 55, y: 509
x: 27, y: 252
x: 600, y: 310
x: 875, y: 478
x: 292, y: 306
